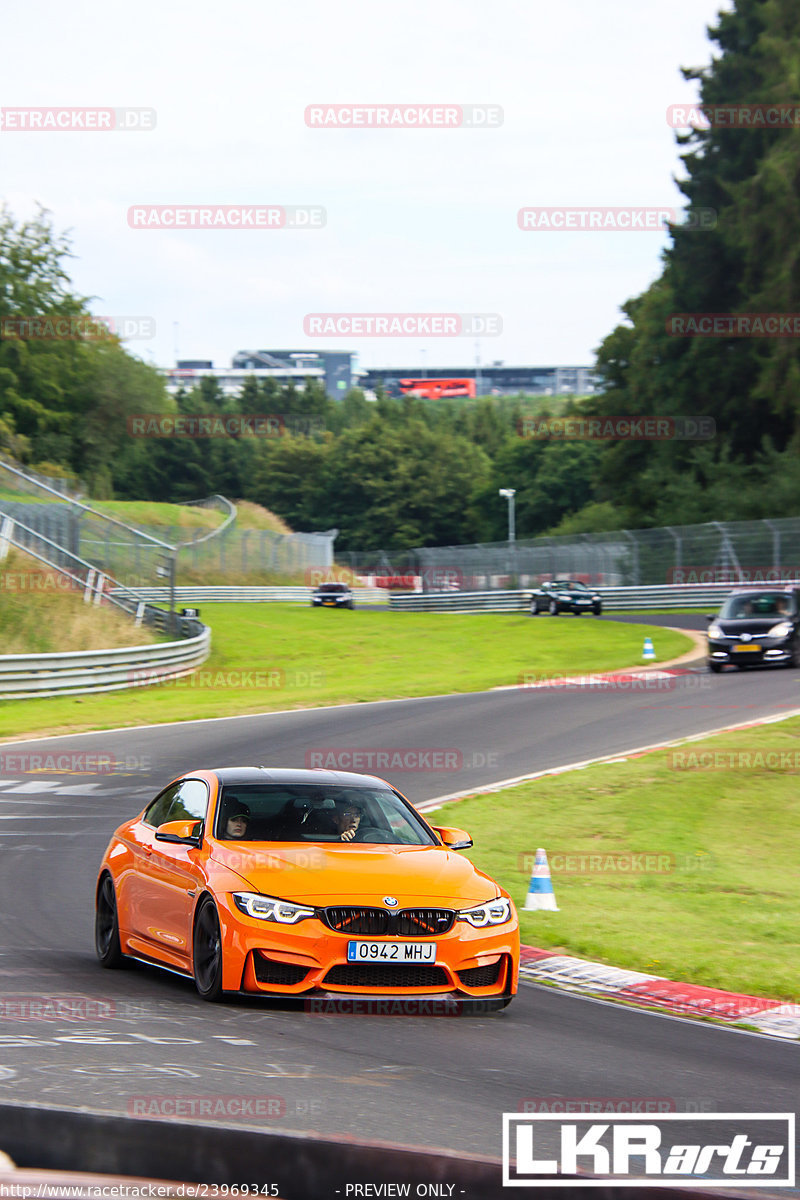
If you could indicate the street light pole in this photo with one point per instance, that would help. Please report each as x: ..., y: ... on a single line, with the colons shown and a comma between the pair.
x: 509, y: 494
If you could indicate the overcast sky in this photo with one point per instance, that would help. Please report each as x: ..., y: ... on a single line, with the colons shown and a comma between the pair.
x: 417, y: 220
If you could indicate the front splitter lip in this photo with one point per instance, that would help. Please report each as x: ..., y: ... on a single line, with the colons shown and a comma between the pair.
x: 440, y: 1003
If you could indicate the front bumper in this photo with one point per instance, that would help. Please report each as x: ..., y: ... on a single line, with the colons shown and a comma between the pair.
x: 310, y: 959
x: 763, y: 650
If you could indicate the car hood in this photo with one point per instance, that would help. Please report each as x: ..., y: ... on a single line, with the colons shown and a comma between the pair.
x: 332, y: 873
x: 756, y: 626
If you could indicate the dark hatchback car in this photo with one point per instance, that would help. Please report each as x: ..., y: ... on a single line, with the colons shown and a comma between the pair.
x: 565, y: 595
x: 332, y: 595
x: 756, y: 626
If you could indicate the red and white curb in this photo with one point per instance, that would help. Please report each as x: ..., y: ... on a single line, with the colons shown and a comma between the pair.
x: 682, y: 999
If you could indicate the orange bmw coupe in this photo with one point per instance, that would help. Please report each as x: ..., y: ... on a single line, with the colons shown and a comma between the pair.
x: 286, y: 882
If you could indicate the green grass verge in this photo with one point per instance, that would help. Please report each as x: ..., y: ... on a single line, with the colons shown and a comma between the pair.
x: 724, y: 910
x: 311, y: 657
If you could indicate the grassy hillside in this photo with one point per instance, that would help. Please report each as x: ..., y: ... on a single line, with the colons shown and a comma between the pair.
x: 41, y: 612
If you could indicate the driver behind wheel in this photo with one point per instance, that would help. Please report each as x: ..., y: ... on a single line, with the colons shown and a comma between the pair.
x: 346, y: 819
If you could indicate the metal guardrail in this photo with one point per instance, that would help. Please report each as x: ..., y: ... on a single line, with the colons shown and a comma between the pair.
x: 210, y: 594
x: 462, y: 602
x: 25, y: 675
x: 687, y: 595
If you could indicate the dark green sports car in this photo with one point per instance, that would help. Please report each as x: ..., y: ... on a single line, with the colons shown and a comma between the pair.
x: 565, y: 595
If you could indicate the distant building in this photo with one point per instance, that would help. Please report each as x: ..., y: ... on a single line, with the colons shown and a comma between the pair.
x: 339, y: 367
x: 494, y: 378
x: 338, y: 371
x: 189, y: 372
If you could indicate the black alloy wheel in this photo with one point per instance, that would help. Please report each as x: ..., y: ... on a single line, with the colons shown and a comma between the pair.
x: 207, y: 952
x: 106, y: 926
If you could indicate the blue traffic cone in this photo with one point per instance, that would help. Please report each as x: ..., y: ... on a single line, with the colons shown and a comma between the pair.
x: 540, y: 891
x: 648, y: 652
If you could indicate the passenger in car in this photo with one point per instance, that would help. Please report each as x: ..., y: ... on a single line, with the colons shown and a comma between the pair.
x: 237, y: 821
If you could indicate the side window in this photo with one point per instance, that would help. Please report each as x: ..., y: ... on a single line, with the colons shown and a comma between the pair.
x: 185, y: 800
x: 156, y: 813
x: 191, y: 801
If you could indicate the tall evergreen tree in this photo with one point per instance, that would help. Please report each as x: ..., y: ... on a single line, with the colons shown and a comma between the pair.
x: 749, y: 263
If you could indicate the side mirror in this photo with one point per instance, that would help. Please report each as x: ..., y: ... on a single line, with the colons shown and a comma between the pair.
x: 710, y: 618
x: 454, y: 839
x: 185, y: 833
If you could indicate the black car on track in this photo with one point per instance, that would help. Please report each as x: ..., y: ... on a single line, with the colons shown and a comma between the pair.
x: 565, y: 595
x: 332, y: 595
x: 756, y: 626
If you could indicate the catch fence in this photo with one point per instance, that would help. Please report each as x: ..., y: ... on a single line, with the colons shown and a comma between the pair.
x: 724, y: 552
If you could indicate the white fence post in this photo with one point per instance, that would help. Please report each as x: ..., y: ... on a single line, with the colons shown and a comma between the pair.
x: 6, y: 533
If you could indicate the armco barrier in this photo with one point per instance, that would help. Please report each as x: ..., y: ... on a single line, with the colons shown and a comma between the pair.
x: 27, y: 675
x: 681, y: 595
x: 248, y: 595
x: 462, y: 602
x: 302, y: 1168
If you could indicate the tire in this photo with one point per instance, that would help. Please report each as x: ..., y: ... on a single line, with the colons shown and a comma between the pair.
x: 207, y: 952
x: 106, y: 926
x: 714, y: 667
x: 552, y: 608
x: 535, y: 609
x: 598, y: 610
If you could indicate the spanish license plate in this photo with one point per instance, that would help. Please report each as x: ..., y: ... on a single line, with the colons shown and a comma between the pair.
x: 391, y: 952
x: 746, y: 649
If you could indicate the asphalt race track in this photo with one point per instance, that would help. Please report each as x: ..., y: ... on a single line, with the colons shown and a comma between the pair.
x: 140, y: 1034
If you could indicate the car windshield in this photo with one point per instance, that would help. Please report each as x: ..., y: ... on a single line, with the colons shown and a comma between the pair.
x: 317, y: 813
x: 570, y: 585
x: 757, y: 604
x: 333, y: 587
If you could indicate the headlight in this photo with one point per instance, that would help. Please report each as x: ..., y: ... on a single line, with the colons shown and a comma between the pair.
x: 495, y: 912
x: 266, y: 908
x: 784, y: 629
x: 714, y: 631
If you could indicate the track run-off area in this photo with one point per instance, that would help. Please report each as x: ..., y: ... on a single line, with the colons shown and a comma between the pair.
x: 139, y: 1041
